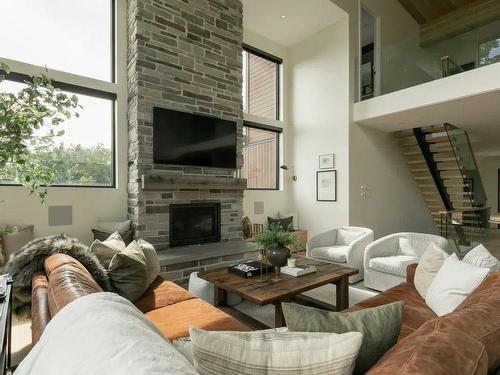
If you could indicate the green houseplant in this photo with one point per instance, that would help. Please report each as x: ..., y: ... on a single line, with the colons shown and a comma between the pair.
x: 277, y: 242
x: 29, y: 121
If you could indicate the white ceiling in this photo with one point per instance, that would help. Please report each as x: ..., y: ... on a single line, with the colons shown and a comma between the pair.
x: 303, y: 18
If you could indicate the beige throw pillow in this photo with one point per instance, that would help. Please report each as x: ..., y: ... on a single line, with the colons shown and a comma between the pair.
x: 274, y: 352
x: 128, y: 272
x: 152, y: 262
x: 428, y: 266
x: 106, y: 250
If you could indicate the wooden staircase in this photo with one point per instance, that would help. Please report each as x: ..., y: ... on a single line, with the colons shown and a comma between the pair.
x: 440, y: 175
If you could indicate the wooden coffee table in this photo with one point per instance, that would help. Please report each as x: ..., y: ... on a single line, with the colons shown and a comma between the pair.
x: 287, y: 289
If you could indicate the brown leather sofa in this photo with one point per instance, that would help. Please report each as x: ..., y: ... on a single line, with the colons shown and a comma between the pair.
x: 171, y: 308
x: 464, y: 342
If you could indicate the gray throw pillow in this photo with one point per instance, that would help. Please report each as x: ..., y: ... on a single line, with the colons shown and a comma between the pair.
x: 106, y: 249
x: 126, y: 236
x: 379, y: 325
x: 128, y: 272
x: 285, y: 223
x: 152, y: 261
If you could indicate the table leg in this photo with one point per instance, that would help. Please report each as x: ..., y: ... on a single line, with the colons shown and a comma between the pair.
x: 279, y: 318
x: 220, y: 297
x: 342, y: 294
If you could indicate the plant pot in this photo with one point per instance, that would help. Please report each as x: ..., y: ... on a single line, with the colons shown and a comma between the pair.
x: 278, y: 256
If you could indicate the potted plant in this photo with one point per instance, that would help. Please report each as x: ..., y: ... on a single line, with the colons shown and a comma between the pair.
x: 276, y: 243
x: 29, y: 121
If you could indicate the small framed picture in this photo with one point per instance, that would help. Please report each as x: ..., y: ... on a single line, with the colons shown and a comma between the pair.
x: 326, y: 186
x: 326, y: 161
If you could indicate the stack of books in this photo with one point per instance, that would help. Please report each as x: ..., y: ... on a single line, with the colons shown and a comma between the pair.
x: 298, y: 270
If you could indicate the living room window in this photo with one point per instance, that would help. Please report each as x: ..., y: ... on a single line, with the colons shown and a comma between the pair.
x: 261, y: 75
x: 261, y: 156
x: 75, y: 41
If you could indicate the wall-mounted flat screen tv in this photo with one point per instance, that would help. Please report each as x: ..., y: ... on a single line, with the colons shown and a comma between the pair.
x: 188, y: 139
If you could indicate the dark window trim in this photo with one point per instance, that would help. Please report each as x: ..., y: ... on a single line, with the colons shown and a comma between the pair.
x: 17, y: 77
x: 278, y: 131
x: 75, y: 89
x: 263, y: 54
x: 274, y: 59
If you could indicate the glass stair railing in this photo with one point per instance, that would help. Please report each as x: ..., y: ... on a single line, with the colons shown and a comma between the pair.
x: 449, y: 67
x: 466, y: 223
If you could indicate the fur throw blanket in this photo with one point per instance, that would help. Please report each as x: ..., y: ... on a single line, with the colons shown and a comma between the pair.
x: 30, y: 258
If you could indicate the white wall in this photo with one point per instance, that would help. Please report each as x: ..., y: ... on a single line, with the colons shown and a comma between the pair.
x: 392, y: 202
x: 274, y: 200
x: 488, y: 168
x: 319, y: 114
x: 89, y: 204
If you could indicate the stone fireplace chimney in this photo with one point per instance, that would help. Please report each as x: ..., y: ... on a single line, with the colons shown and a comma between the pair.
x: 182, y: 55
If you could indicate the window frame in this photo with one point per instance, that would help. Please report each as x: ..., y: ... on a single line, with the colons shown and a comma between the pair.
x: 274, y: 59
x: 480, y: 42
x: 88, y: 89
x: 279, y: 132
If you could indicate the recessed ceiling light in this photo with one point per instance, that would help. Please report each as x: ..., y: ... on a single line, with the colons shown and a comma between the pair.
x: 283, y: 17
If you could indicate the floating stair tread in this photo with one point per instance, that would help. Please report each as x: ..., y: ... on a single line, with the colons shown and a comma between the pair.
x: 434, y: 129
x: 411, y: 153
x: 413, y: 162
x: 439, y: 139
x: 419, y: 169
x: 409, y: 143
x: 403, y: 133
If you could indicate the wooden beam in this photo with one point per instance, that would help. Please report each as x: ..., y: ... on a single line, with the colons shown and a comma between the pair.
x: 467, y: 18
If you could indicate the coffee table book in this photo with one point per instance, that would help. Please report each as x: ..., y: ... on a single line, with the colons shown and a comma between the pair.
x: 298, y: 270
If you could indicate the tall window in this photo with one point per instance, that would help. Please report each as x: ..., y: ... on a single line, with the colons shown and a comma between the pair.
x: 75, y: 37
x: 261, y: 157
x: 261, y: 73
x: 261, y: 98
x: 489, y: 52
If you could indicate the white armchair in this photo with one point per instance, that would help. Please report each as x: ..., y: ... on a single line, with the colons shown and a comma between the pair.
x: 387, y: 258
x: 344, y: 246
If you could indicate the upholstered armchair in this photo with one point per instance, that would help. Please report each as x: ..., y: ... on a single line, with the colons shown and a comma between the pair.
x: 386, y: 259
x: 344, y: 246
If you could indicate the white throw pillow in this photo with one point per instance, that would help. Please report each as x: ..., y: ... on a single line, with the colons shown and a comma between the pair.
x: 346, y: 237
x: 106, y: 250
x: 481, y: 257
x: 272, y: 352
x: 428, y: 266
x: 452, y: 284
x: 152, y: 262
x: 405, y: 247
x: 114, y: 226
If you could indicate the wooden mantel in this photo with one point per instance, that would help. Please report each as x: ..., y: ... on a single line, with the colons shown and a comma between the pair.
x: 173, y: 181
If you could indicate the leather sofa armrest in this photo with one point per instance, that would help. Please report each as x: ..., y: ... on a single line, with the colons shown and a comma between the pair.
x: 68, y: 280
x: 410, y: 272
x: 40, y: 314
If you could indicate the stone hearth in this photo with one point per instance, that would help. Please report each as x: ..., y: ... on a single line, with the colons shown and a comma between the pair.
x: 182, y: 55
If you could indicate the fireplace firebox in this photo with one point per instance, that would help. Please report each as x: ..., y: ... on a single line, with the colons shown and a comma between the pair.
x: 194, y: 223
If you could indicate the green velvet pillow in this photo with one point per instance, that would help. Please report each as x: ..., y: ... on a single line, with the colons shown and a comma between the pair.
x: 379, y: 325
x: 128, y: 272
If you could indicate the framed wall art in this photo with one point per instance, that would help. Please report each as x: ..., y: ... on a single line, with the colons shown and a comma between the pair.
x: 326, y: 186
x: 327, y: 161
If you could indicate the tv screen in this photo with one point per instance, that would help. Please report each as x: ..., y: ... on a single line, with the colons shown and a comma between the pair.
x: 188, y: 139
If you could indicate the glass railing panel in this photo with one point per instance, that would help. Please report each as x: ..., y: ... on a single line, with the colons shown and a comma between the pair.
x: 468, y: 167
x: 397, y: 55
